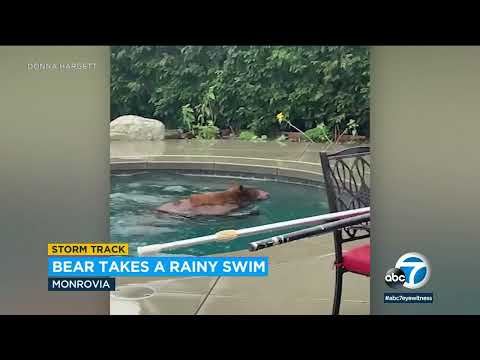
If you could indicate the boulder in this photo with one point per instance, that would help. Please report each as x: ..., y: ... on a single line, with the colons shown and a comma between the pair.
x: 131, y: 127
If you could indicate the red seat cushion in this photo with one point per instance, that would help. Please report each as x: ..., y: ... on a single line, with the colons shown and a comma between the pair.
x: 357, y: 259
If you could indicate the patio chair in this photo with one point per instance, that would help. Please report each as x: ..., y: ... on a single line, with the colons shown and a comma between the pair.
x: 346, y: 175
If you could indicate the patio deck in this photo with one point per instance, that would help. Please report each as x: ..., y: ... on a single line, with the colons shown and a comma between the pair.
x: 289, y: 151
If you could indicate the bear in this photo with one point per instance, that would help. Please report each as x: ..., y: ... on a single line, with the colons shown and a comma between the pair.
x: 219, y: 203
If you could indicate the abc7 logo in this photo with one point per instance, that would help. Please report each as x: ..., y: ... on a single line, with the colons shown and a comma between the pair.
x: 411, y: 271
x: 395, y: 278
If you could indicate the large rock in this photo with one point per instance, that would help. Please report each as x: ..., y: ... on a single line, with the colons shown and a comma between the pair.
x: 131, y: 127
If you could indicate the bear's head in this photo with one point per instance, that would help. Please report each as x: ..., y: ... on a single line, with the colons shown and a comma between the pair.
x: 249, y: 194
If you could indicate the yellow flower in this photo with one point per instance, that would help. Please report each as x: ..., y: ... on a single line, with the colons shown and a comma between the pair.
x: 280, y: 117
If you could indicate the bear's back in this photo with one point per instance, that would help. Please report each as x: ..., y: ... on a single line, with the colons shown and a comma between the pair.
x: 215, y: 198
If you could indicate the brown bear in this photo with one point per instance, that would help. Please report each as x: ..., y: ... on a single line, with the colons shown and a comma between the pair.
x: 214, y: 203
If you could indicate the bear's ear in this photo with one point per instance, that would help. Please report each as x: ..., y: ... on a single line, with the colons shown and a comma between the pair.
x: 241, y: 188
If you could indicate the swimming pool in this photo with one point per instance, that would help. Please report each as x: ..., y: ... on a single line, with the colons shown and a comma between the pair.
x: 135, y: 193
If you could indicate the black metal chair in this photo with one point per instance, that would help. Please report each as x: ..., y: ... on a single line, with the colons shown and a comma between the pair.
x: 346, y: 175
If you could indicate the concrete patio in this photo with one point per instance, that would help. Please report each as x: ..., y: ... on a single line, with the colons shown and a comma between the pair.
x: 300, y: 282
x: 285, y: 151
x: 301, y: 273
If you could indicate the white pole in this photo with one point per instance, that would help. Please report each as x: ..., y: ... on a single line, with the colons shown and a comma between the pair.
x: 229, y: 235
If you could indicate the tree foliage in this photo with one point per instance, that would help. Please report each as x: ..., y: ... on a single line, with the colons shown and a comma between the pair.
x: 243, y: 87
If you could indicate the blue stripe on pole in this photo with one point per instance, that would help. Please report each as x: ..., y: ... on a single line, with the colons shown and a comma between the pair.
x: 157, y: 266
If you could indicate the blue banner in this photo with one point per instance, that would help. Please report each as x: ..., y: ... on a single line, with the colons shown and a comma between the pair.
x: 157, y: 266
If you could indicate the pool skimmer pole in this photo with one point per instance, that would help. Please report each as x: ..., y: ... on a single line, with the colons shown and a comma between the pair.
x: 313, y: 231
x: 229, y: 235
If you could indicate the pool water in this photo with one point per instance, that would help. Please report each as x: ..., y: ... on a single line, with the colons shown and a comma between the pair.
x: 134, y: 194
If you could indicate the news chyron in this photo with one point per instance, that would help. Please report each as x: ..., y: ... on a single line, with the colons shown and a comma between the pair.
x: 94, y: 267
x: 80, y: 268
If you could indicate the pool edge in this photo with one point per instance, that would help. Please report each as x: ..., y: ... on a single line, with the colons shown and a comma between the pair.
x: 288, y: 174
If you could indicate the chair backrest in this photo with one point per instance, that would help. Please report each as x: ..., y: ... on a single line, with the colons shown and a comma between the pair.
x: 347, y: 180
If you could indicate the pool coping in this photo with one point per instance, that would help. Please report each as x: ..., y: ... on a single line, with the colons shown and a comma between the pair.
x: 214, y: 165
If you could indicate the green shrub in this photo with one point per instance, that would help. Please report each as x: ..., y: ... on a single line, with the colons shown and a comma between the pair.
x: 319, y: 134
x: 188, y: 117
x: 264, y: 126
x: 207, y: 132
x: 247, y: 135
x: 243, y: 87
